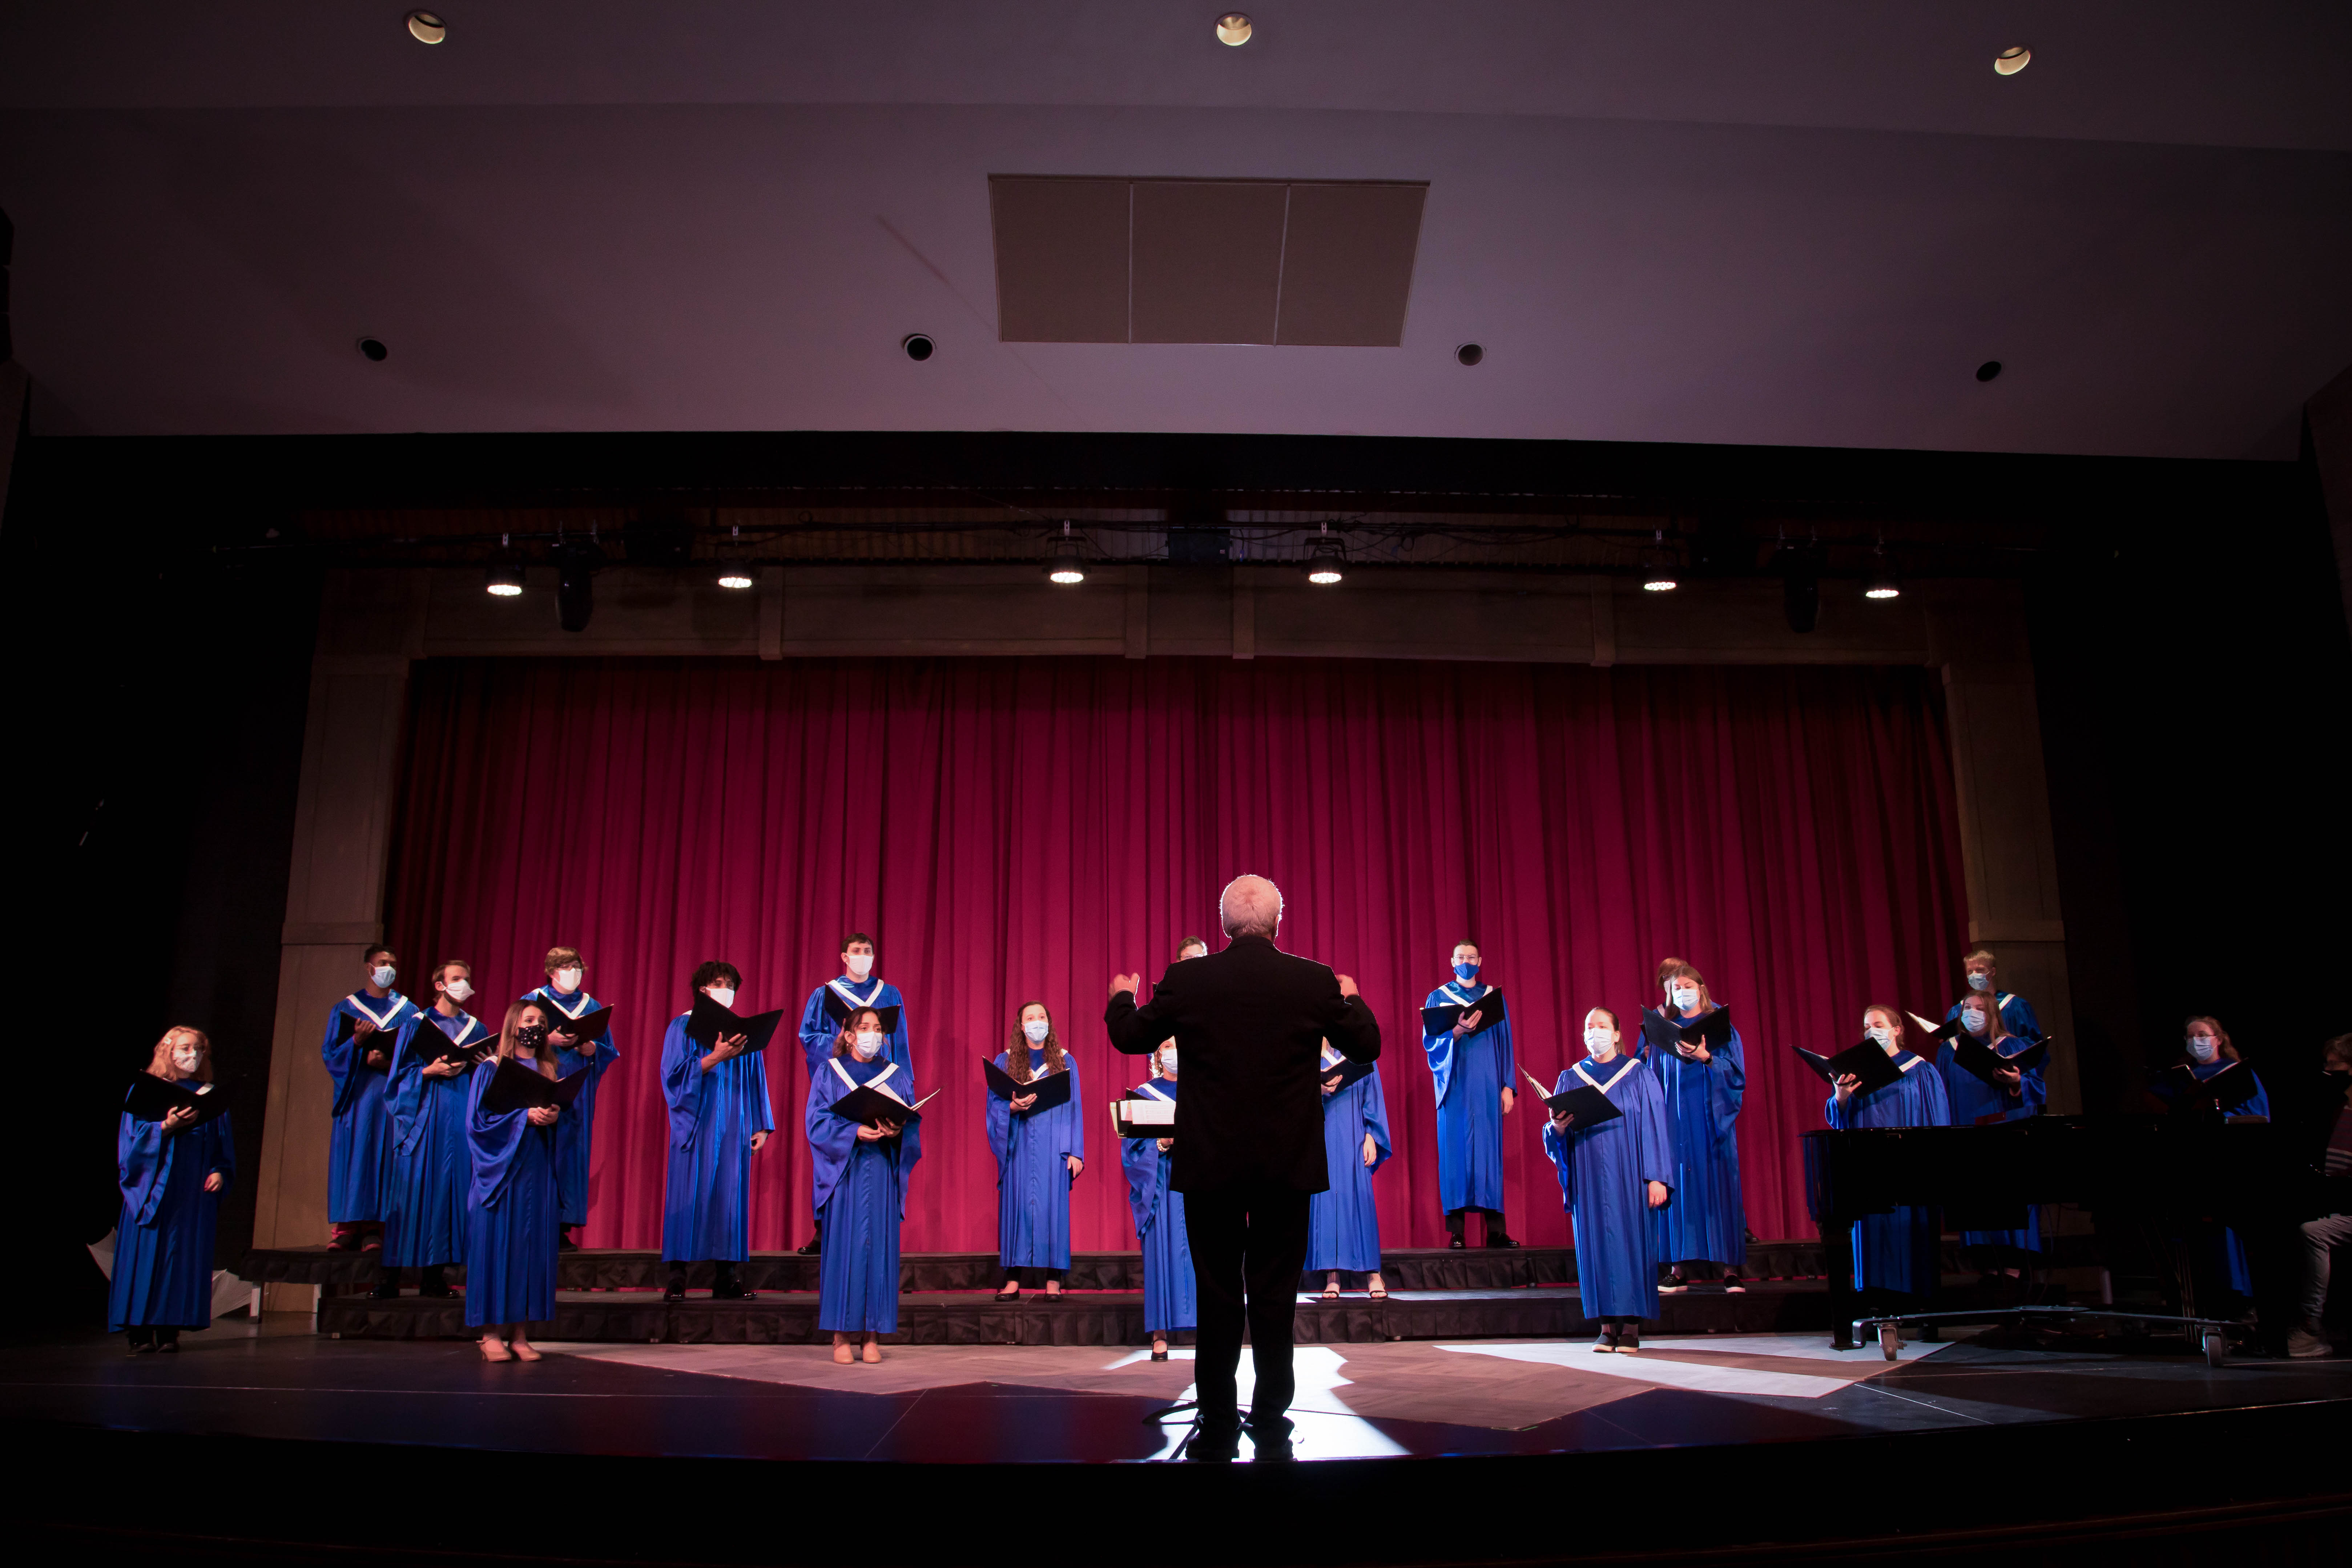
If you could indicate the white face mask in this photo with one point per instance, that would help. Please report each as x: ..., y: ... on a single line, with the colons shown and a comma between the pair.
x: 187, y: 1059
x: 2203, y: 1048
x: 459, y: 989
x: 723, y: 994
x: 567, y: 980
x: 1168, y: 1062
x: 1883, y: 1035
x: 1036, y: 1029
x: 1686, y: 997
x: 869, y: 1044
x: 1972, y: 1019
x: 384, y: 974
x: 1601, y: 1042
x: 1980, y: 981
x: 859, y: 964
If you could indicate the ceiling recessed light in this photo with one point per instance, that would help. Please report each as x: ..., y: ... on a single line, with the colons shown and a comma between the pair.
x: 1233, y: 28
x: 1469, y: 353
x: 919, y: 346
x: 1987, y: 370
x: 426, y: 27
x: 375, y: 350
x: 2013, y: 59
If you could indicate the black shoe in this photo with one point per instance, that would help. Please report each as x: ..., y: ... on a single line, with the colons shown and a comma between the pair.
x: 809, y: 1247
x: 1214, y: 1445
x: 1606, y: 1340
x: 386, y: 1289
x: 433, y: 1282
x: 675, y: 1289
x: 1270, y: 1440
x: 344, y: 1241
x: 1158, y: 1355
x: 564, y: 1242
x: 1011, y: 1291
x: 138, y: 1342
x: 169, y: 1343
x: 1455, y: 1243
x: 1629, y: 1338
x: 731, y: 1290
x: 1499, y: 1239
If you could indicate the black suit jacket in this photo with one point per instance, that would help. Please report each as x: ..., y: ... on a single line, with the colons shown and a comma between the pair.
x: 1249, y: 1025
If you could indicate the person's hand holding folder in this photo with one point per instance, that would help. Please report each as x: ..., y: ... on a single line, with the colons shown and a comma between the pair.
x: 178, y: 1118
x: 542, y: 1115
x: 725, y: 1049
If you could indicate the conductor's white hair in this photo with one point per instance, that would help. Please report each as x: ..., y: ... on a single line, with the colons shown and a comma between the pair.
x: 1235, y: 923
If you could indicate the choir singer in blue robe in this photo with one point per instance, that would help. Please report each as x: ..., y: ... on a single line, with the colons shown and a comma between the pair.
x: 172, y: 1173
x: 1169, y: 1290
x: 861, y: 1170
x: 1473, y: 1069
x: 360, y: 1148
x: 1896, y: 1255
x: 2221, y: 1279
x: 575, y: 1130
x: 855, y: 986
x: 1975, y: 1103
x: 1039, y: 1154
x: 511, y: 1240
x: 1343, y: 1223
x: 1984, y: 980
x: 1612, y: 1175
x: 1707, y: 1221
x: 720, y: 1116
x: 426, y: 1222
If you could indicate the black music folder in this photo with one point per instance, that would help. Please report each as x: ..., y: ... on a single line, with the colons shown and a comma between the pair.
x: 1659, y: 1032
x: 1585, y: 1106
x: 1714, y: 1030
x: 1346, y: 1071
x: 1490, y: 1008
x: 709, y: 1021
x: 587, y: 1029
x: 345, y: 1022
x: 519, y: 1088
x: 1865, y: 1061
x: 841, y: 1012
x: 152, y: 1099
x: 478, y: 1046
x: 2224, y: 1091
x: 1948, y: 1030
x: 873, y: 1107
x: 1988, y: 1064
x: 1051, y: 1090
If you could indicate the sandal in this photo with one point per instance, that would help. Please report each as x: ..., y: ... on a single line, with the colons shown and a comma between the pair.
x: 1330, y: 1292
x: 1380, y: 1295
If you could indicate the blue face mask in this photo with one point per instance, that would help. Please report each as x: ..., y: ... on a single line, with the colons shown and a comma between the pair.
x: 1466, y: 972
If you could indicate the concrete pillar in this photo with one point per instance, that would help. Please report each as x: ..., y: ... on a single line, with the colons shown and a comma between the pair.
x: 1977, y: 638
x: 370, y: 627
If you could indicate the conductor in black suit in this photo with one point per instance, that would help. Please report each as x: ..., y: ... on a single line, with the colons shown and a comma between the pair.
x: 1249, y: 1023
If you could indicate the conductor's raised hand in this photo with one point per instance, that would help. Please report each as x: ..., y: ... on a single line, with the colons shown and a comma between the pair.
x: 1347, y: 985
x: 1467, y: 1022
x: 1130, y: 983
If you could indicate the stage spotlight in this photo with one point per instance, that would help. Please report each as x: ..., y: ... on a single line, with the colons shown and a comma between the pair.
x: 1882, y: 583
x: 1234, y: 29
x: 1063, y: 564
x: 734, y: 572
x: 1327, y: 560
x: 575, y: 582
x: 503, y: 577
x: 1658, y: 574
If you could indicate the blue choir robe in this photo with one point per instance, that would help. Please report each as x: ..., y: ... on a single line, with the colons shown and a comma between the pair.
x: 861, y: 1198
x: 819, y: 1030
x: 1900, y: 1250
x: 360, y: 1150
x: 2016, y: 1017
x: 1032, y: 1179
x: 1604, y: 1176
x: 575, y: 1131
x: 1975, y: 1103
x: 163, y: 1240
x: 1471, y: 1075
x: 1707, y: 1220
x: 2217, y: 1252
x: 706, y: 1206
x: 1170, y: 1292
x: 513, y: 1235
x: 1343, y: 1224
x: 426, y: 1218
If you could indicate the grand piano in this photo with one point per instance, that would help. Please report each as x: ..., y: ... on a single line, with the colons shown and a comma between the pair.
x: 2170, y: 1169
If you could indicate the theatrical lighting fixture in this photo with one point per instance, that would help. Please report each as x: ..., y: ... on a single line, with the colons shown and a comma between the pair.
x: 1062, y: 563
x: 1233, y: 28
x: 575, y: 582
x: 1881, y: 584
x: 504, y: 576
x: 1327, y: 560
x: 2013, y: 59
x: 734, y: 572
x: 1658, y: 568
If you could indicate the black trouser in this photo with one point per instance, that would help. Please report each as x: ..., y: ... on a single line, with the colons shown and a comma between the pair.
x: 1456, y: 1218
x: 1250, y: 1241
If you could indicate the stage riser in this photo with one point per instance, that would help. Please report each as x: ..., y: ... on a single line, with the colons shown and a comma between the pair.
x: 792, y: 1319
x: 1474, y: 1268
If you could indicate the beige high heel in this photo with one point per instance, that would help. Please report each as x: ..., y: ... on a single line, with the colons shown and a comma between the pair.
x: 844, y: 1353
x: 495, y: 1349
x: 525, y: 1350
x: 873, y: 1352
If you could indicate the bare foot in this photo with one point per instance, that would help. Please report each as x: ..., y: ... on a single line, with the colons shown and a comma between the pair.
x: 873, y: 1352
x: 495, y: 1348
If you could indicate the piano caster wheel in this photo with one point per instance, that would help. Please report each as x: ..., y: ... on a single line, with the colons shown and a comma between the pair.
x: 2216, y: 1350
x: 1890, y: 1339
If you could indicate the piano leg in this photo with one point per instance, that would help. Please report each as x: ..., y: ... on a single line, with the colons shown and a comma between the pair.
x: 1837, y: 1257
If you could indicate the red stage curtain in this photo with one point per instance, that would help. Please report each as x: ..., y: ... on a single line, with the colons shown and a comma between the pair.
x: 1020, y: 828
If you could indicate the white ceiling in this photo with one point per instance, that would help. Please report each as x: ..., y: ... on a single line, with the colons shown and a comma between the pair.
x: 1797, y: 224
